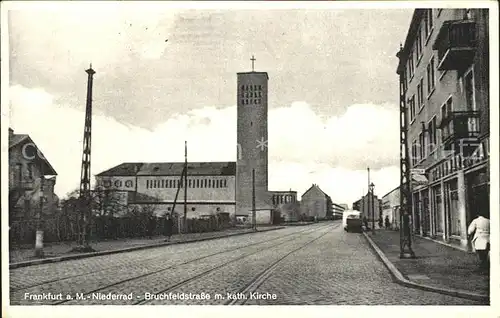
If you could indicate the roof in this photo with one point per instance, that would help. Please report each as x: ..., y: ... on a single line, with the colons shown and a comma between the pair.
x: 122, y: 170
x: 172, y: 169
x: 23, y: 139
x: 256, y: 73
x: 17, y: 139
x: 317, y: 187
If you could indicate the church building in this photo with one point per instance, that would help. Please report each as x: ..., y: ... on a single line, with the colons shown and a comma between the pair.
x: 212, y: 187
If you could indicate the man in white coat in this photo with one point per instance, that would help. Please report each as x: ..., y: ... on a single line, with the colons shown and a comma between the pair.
x: 480, y: 228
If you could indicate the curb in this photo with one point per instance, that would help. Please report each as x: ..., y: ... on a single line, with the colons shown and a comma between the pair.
x: 399, y: 278
x: 129, y: 249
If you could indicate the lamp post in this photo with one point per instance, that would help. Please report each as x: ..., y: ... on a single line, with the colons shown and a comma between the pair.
x: 372, y: 186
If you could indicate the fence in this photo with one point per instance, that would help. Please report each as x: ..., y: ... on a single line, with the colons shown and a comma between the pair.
x: 60, y: 228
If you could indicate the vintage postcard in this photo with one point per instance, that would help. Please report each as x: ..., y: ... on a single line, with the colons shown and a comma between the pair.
x: 283, y: 155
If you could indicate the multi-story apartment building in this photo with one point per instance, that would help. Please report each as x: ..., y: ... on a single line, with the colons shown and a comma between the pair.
x: 444, y: 69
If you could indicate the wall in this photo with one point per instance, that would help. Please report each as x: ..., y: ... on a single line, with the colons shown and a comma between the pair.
x: 200, y: 209
x: 209, y: 194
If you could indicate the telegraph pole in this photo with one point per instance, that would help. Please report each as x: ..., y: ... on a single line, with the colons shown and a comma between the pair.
x: 185, y: 186
x: 254, y: 222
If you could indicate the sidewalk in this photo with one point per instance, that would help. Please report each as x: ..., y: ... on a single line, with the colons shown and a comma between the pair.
x: 436, y: 265
x: 59, y: 249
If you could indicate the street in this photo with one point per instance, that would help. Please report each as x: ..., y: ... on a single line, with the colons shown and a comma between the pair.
x: 317, y: 264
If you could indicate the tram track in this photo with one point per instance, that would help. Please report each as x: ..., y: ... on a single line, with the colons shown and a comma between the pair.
x: 258, y: 279
x: 145, y: 261
x: 192, y: 261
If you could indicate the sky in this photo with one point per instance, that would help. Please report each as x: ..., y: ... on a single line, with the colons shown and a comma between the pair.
x: 168, y: 75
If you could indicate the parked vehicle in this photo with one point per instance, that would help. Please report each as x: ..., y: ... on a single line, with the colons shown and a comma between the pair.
x: 351, y: 221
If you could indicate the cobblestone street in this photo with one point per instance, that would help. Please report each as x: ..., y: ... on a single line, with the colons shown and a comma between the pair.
x: 315, y: 264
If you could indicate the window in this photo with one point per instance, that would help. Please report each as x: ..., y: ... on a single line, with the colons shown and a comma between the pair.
x: 411, y: 66
x: 419, y: 44
x: 242, y: 87
x: 209, y: 183
x: 421, y: 138
x: 260, y: 87
x: 30, y: 170
x: 243, y: 102
x: 432, y: 133
x: 411, y: 103
x: 420, y: 94
x: 428, y: 23
x: 414, y: 152
x: 469, y: 91
x: 225, y: 183
x: 431, y: 80
x: 206, y: 183
x: 147, y: 184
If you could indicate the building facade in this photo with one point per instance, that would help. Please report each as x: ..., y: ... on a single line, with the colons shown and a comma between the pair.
x: 285, y: 204
x: 252, y: 142
x: 370, y: 206
x: 210, y: 187
x: 390, y: 208
x: 444, y: 64
x: 31, y: 188
x: 316, y: 203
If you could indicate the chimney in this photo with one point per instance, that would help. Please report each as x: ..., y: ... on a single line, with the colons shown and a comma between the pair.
x: 11, y: 132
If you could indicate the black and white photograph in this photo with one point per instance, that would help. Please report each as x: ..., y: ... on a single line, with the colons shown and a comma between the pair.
x: 250, y: 153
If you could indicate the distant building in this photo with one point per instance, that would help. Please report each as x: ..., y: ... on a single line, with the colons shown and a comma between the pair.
x: 444, y: 71
x: 370, y: 206
x: 390, y: 207
x: 285, y: 203
x: 316, y: 203
x: 31, y: 179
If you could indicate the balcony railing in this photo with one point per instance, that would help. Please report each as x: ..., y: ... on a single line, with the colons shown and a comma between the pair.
x: 459, y: 125
x: 456, y: 43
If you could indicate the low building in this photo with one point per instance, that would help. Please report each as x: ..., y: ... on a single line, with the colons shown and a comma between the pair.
x: 370, y: 207
x: 316, y: 204
x: 210, y: 187
x: 32, y: 179
x: 390, y: 207
x: 286, y: 205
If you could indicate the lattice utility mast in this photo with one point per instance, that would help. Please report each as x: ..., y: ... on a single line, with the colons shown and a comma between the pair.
x: 85, y: 194
x: 405, y: 203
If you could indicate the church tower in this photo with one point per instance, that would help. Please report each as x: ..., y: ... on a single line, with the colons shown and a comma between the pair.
x: 252, y: 148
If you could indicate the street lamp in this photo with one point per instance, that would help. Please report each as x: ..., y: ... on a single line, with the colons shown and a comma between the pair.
x: 372, y: 186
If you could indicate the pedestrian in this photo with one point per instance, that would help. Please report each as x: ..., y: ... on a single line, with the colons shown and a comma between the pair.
x: 387, y: 222
x: 169, y: 223
x: 479, y: 230
x: 380, y: 222
x: 365, y: 222
x: 151, y: 225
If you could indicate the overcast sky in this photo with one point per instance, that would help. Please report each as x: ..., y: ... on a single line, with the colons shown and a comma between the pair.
x: 333, y: 90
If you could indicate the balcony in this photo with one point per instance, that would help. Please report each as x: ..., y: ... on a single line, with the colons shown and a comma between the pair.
x: 460, y: 128
x: 456, y: 44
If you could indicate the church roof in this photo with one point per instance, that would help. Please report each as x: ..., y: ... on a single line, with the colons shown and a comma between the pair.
x: 122, y: 170
x: 171, y: 169
x: 194, y: 168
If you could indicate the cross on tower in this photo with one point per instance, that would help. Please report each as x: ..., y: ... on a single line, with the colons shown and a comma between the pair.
x: 253, y: 61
